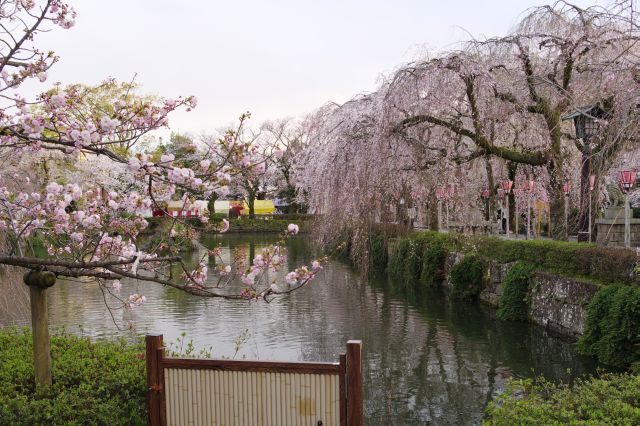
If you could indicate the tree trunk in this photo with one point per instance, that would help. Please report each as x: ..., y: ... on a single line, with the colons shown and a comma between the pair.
x: 251, y: 204
x: 38, y: 283
x: 211, y: 205
x: 557, y: 201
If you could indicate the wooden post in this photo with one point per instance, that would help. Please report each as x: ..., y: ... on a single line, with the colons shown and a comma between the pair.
x: 355, y: 388
x: 154, y: 346
x: 38, y: 283
x: 343, y: 389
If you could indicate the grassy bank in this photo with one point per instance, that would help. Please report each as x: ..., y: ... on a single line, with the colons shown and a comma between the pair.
x: 579, y: 260
x: 93, y: 382
x: 612, y: 399
x: 244, y: 225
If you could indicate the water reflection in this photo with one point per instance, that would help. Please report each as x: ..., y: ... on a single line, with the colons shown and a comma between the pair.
x: 426, y: 360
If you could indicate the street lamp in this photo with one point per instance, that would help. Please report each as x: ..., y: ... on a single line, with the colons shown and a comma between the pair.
x: 592, y: 185
x: 567, y: 191
x: 506, y: 186
x: 501, y: 197
x: 529, y: 187
x: 440, y: 194
x: 586, y: 121
x: 627, y: 178
x: 517, y: 193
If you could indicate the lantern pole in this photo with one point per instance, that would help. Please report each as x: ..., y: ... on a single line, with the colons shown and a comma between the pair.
x: 530, y: 186
x: 627, y: 179
x: 506, y: 186
x: 627, y: 225
x: 592, y: 181
x: 567, y: 191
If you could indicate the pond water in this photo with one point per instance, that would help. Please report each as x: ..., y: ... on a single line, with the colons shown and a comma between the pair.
x: 426, y: 361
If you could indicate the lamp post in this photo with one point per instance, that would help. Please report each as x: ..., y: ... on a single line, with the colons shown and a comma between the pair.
x: 529, y: 187
x: 501, y: 197
x: 567, y: 191
x: 592, y: 185
x: 586, y: 121
x: 506, y: 186
x: 627, y: 178
x: 440, y: 196
x: 517, y: 193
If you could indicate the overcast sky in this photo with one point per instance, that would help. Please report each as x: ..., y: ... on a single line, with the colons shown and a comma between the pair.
x: 275, y: 58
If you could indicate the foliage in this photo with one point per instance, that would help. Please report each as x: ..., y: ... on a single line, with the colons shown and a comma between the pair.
x: 216, y: 217
x: 605, y: 265
x: 515, y: 288
x: 397, y: 260
x: 609, y: 399
x: 260, y: 225
x: 433, y: 259
x: 377, y: 252
x: 93, y: 382
x: 412, y: 263
x: 183, y: 348
x: 467, y: 278
x: 611, y: 331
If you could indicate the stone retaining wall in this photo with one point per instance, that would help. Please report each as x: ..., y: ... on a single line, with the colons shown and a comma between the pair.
x: 557, y: 303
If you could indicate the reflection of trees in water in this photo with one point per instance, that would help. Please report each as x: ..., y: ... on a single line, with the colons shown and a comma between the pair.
x: 425, y: 359
x: 14, y: 298
x: 429, y: 360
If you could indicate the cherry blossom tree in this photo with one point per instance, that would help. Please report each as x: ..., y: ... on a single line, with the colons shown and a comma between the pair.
x: 489, y: 111
x: 88, y: 228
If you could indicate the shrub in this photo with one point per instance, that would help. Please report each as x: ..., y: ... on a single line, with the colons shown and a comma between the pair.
x: 216, y: 217
x: 396, y: 263
x: 609, y: 399
x: 433, y: 259
x: 244, y: 224
x: 466, y: 277
x: 377, y: 252
x: 412, y: 263
x: 606, y: 265
x: 93, y: 382
x: 514, y: 305
x: 611, y: 331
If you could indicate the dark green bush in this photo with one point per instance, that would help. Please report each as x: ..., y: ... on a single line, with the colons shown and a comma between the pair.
x: 433, y: 259
x: 412, y: 263
x: 377, y: 252
x: 515, y: 289
x: 606, y: 265
x: 93, y: 382
x: 244, y: 224
x: 467, y: 278
x: 216, y: 217
x: 612, y: 399
x: 397, y: 260
x: 612, y: 330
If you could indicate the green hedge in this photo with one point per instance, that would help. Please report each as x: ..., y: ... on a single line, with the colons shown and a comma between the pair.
x: 605, y: 265
x: 93, y: 382
x: 433, y: 262
x: 377, y: 252
x: 514, y: 304
x: 467, y: 278
x: 612, y: 330
x: 261, y: 225
x: 612, y: 399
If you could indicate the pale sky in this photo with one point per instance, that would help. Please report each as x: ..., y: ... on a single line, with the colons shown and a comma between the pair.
x: 274, y: 58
